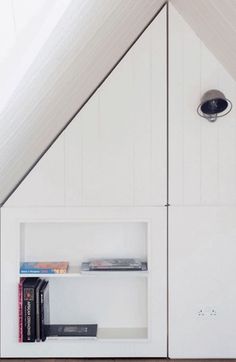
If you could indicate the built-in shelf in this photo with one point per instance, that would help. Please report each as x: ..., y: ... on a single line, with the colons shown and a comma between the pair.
x: 127, y: 306
x: 75, y: 272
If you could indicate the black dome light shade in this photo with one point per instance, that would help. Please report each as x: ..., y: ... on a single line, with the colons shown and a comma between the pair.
x: 213, y: 104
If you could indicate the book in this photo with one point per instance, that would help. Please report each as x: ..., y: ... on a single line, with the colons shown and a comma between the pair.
x: 20, y: 310
x: 72, y: 330
x: 29, y: 308
x: 42, y: 267
x: 118, y: 264
x: 44, y: 310
x: 38, y: 310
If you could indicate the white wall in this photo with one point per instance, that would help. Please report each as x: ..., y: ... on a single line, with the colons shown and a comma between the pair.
x: 114, y: 153
x: 202, y: 237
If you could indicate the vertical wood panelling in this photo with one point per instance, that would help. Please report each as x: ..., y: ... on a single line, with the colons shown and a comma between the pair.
x: 227, y: 144
x: 191, y: 124
x: 142, y: 119
x: 202, y: 154
x: 82, y: 156
x: 116, y: 119
x: 116, y: 147
x: 209, y: 132
x: 74, y: 159
x: 159, y: 111
x: 91, y: 153
x: 185, y: 130
x: 176, y: 107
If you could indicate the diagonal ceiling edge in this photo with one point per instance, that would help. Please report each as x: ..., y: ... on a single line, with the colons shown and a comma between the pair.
x: 84, y: 47
x: 214, y: 23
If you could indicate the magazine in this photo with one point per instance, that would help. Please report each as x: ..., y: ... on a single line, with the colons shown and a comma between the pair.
x: 118, y: 264
x: 72, y: 330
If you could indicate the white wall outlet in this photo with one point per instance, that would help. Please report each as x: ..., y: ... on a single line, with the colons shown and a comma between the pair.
x: 206, y: 311
x: 200, y: 312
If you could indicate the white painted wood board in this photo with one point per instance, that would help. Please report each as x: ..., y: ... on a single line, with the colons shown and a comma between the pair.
x: 202, y: 278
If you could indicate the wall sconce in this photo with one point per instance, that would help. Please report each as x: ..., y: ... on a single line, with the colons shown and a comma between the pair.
x: 214, y: 104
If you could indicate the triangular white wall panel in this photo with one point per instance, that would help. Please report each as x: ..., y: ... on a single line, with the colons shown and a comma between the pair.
x: 202, y: 154
x: 114, y: 151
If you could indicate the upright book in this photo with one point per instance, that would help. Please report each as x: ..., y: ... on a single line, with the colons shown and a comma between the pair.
x: 44, y: 310
x: 29, y: 308
x: 20, y: 310
x: 38, y: 310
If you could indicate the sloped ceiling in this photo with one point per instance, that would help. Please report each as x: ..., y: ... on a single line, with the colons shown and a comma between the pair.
x: 87, y: 42
x: 214, y: 21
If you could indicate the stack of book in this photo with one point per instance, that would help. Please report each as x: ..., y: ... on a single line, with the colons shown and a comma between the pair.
x: 44, y: 267
x: 33, y: 307
x: 118, y: 264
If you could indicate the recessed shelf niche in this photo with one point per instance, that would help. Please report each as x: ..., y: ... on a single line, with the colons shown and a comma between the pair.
x: 113, y: 300
x: 129, y: 307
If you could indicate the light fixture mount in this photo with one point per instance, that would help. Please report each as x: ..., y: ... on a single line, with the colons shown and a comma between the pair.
x: 213, y: 105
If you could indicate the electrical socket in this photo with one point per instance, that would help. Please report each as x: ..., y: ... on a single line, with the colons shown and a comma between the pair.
x: 206, y: 312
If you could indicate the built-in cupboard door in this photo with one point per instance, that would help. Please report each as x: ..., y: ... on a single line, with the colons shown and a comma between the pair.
x: 202, y: 197
x: 202, y: 282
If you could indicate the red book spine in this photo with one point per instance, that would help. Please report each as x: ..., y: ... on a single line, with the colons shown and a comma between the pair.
x: 20, y: 310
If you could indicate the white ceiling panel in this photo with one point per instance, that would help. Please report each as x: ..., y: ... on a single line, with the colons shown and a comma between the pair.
x: 85, y: 44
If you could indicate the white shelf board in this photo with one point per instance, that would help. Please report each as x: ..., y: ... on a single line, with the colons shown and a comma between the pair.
x: 75, y: 272
x: 122, y: 333
x: 109, y: 333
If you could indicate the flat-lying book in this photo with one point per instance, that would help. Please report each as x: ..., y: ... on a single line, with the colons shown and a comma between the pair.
x: 44, y: 267
x: 118, y: 264
x: 72, y: 330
